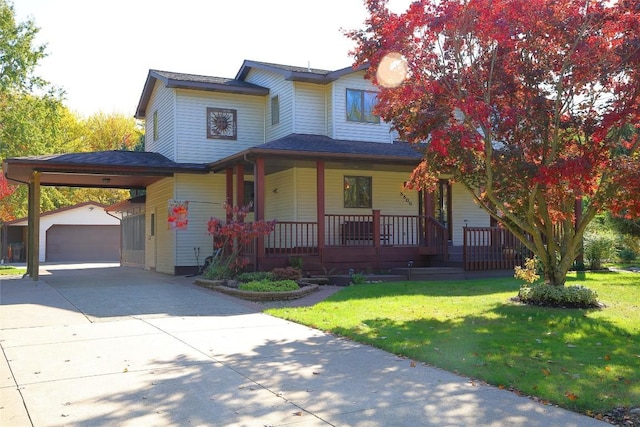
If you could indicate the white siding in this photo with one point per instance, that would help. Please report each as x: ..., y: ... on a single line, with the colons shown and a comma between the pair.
x: 163, y: 101
x: 205, y: 194
x: 310, y: 110
x: 341, y: 128
x: 158, y: 196
x: 191, y: 125
x: 282, y: 88
x: 464, y: 208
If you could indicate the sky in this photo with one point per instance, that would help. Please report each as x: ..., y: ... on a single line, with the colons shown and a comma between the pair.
x: 100, y: 52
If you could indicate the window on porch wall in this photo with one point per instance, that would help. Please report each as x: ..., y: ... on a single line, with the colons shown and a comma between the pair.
x: 357, y: 192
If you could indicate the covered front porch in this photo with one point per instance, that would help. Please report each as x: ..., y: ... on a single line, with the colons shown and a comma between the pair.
x: 308, y: 193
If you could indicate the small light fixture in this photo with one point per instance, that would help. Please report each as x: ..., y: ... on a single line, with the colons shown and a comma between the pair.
x: 106, y: 180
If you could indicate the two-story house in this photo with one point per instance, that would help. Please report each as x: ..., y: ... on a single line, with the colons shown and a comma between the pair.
x: 304, y: 146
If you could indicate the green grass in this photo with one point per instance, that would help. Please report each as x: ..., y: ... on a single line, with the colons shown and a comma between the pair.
x: 583, y: 360
x: 8, y: 270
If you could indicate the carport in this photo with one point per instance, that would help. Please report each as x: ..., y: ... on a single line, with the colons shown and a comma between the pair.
x: 101, y: 169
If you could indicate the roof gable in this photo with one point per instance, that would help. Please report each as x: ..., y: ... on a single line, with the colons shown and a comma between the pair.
x: 20, y: 221
x: 298, y: 74
x: 196, y: 82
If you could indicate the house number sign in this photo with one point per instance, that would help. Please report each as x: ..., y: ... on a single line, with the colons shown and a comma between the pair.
x: 406, y: 199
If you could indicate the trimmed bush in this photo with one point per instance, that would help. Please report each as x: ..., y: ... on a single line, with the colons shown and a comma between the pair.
x: 288, y: 273
x: 267, y: 286
x: 558, y: 296
x: 255, y: 276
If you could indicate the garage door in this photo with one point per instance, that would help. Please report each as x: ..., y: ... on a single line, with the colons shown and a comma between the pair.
x: 77, y: 243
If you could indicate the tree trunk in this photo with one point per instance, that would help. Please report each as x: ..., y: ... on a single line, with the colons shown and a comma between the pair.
x: 555, y: 277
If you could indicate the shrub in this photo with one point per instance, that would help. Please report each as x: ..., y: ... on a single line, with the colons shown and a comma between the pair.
x: 627, y: 255
x: 287, y: 273
x: 558, y: 296
x: 217, y: 271
x: 528, y: 273
x: 358, y: 278
x: 268, y: 286
x: 255, y: 276
x: 598, y: 248
x: 296, y: 262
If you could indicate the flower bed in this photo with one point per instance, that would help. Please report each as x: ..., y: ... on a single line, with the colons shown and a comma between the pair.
x: 220, y: 286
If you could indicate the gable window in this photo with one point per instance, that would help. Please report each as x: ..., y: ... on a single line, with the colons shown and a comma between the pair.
x: 275, y: 110
x: 155, y: 125
x: 360, y: 104
x: 357, y: 192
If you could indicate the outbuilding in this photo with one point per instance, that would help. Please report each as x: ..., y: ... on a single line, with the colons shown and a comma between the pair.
x: 80, y: 233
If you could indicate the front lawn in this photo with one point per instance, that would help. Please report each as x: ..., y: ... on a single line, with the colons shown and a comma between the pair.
x: 583, y: 360
x: 8, y: 270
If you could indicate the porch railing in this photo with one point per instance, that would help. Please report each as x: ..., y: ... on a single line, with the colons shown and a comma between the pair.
x: 437, y: 236
x: 492, y: 248
x: 292, y: 238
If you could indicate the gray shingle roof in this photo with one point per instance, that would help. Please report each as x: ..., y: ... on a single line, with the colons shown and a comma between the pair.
x: 143, y: 159
x: 324, y: 144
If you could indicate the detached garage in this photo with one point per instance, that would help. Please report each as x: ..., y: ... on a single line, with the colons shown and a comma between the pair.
x: 67, y: 243
x: 80, y: 233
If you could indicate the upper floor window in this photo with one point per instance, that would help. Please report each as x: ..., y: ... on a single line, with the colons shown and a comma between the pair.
x: 155, y: 125
x: 275, y: 110
x: 357, y: 192
x: 360, y: 104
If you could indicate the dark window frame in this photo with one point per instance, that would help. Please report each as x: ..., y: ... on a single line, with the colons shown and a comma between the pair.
x: 275, y: 110
x: 155, y: 125
x: 358, y: 192
x: 359, y: 106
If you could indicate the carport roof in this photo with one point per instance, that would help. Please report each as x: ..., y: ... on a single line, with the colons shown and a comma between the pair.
x: 100, y: 169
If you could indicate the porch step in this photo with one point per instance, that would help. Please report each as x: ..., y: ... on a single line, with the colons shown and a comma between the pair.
x: 430, y: 273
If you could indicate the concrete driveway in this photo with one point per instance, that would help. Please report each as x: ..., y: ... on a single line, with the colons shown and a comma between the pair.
x: 115, y: 346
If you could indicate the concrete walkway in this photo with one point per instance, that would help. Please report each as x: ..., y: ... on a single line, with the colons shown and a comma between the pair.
x: 125, y: 347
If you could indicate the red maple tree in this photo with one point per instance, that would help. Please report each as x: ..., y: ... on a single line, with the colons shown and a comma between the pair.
x: 6, y: 189
x: 530, y: 104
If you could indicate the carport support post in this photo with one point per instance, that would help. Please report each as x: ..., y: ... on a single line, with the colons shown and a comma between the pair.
x: 33, y: 244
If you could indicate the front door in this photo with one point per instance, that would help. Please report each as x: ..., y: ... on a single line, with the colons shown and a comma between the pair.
x: 442, y: 206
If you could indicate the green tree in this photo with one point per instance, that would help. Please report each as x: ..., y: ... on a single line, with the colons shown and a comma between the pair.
x: 34, y: 121
x: 19, y: 54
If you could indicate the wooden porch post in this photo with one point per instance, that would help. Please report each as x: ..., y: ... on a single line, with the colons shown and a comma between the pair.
x: 239, y: 185
x: 320, y: 204
x: 259, y: 206
x: 33, y: 244
x: 229, y: 189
